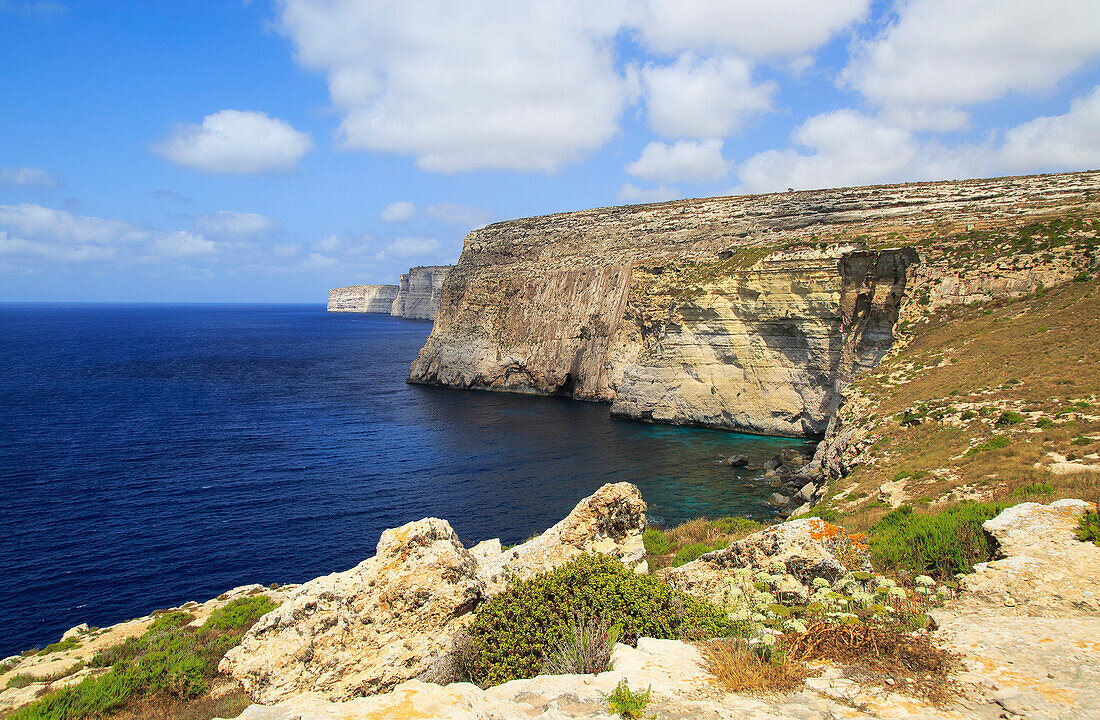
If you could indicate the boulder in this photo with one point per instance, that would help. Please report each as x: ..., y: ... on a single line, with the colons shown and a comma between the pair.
x: 393, y: 617
x: 367, y: 629
x: 611, y: 521
x: 778, y: 500
x: 806, y: 548
x: 736, y: 461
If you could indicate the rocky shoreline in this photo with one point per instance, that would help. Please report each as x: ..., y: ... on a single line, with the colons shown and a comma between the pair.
x: 363, y: 643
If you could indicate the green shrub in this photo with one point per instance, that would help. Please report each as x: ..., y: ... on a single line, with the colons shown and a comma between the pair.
x: 994, y: 443
x: 969, y: 414
x: 513, y: 634
x: 828, y: 514
x: 239, y: 612
x: 1088, y: 528
x: 171, y: 658
x: 626, y: 703
x: 735, y: 525
x: 655, y: 541
x: 1008, y: 417
x: 1034, y: 490
x: 941, y: 545
x: 690, y: 552
x: 66, y: 644
x: 1044, y: 422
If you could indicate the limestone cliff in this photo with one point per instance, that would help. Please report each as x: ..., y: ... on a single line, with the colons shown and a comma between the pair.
x: 362, y: 298
x: 419, y: 292
x: 746, y: 313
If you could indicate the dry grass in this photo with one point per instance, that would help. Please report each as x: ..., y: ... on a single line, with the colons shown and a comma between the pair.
x: 1033, y: 356
x: 915, y: 665
x: 226, y: 702
x: 700, y: 534
x: 742, y: 670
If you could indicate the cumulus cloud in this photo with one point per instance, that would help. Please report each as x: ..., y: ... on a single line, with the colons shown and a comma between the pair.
x: 629, y: 193
x: 399, y: 211
x: 412, y: 247
x: 236, y: 142
x: 182, y: 244
x: 28, y: 177
x: 846, y: 147
x: 746, y: 27
x: 1070, y: 141
x: 227, y: 224
x: 939, y: 54
x: 456, y: 214
x: 686, y: 160
x: 462, y: 86
x: 33, y: 231
x: 704, y: 98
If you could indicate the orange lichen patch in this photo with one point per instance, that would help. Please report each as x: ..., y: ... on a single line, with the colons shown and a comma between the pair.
x: 828, y: 531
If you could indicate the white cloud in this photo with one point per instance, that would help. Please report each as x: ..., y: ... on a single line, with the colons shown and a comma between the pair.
x: 236, y: 141
x: 28, y: 177
x: 36, y: 221
x: 845, y: 147
x: 226, y: 224
x: 747, y: 27
x: 703, y: 98
x: 686, y: 160
x: 412, y: 247
x: 1070, y: 141
x: 182, y: 244
x: 481, y: 84
x: 398, y: 211
x: 34, y: 231
x: 629, y: 193
x: 456, y: 214
x: 938, y: 54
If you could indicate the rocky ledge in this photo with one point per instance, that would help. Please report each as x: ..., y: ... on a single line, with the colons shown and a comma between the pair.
x: 1028, y: 645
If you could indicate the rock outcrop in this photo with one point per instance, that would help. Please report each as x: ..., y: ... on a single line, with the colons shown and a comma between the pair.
x: 806, y: 549
x: 419, y: 291
x: 391, y: 617
x: 362, y: 298
x: 747, y: 313
x: 1027, y: 652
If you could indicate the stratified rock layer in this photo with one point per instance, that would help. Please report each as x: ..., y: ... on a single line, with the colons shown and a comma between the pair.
x: 419, y: 291
x: 362, y: 298
x: 747, y: 313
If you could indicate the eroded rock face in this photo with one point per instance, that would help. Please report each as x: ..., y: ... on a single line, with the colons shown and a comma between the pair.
x: 609, y: 522
x: 367, y: 629
x: 362, y: 298
x: 393, y: 616
x: 747, y: 313
x: 807, y: 549
x: 418, y: 292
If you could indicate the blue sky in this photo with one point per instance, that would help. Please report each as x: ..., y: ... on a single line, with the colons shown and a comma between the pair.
x: 266, y: 151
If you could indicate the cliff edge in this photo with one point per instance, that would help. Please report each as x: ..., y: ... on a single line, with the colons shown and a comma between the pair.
x: 748, y: 313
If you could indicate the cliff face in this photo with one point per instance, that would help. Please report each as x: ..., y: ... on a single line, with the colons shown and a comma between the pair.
x: 418, y: 292
x: 746, y: 313
x: 362, y: 298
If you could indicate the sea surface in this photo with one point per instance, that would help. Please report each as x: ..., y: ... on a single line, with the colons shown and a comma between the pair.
x: 155, y: 454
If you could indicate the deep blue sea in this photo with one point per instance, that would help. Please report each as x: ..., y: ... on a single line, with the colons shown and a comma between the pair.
x: 154, y: 454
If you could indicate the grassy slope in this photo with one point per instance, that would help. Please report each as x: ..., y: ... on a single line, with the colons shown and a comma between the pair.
x: 941, y: 396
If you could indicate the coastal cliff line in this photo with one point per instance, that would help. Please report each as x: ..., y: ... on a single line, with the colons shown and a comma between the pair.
x: 415, y: 297
x: 747, y: 313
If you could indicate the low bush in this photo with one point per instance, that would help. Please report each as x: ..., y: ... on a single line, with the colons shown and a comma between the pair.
x: 994, y: 443
x: 827, y: 514
x: 172, y: 659
x: 1033, y: 490
x: 1088, y: 527
x: 626, y: 703
x: 585, y: 648
x: 513, y: 634
x: 690, y: 552
x: 66, y: 644
x: 941, y: 545
x: 1008, y: 417
x: 655, y: 541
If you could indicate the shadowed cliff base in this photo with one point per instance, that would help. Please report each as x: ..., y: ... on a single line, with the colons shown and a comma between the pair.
x: 748, y: 313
